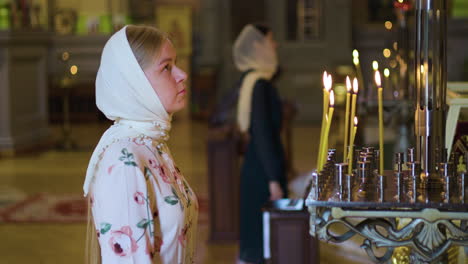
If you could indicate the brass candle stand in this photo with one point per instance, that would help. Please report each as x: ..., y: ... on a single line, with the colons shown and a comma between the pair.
x: 420, y: 205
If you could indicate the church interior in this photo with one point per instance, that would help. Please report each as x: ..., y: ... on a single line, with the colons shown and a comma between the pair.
x: 49, y: 123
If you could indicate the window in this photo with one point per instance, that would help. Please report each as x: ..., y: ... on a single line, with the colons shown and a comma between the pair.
x: 305, y: 19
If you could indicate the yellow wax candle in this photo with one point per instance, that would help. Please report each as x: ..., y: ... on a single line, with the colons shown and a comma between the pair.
x: 378, y: 82
x: 351, y: 147
x: 353, y: 104
x: 346, y: 122
x: 327, y: 130
x: 326, y: 95
x: 358, y: 68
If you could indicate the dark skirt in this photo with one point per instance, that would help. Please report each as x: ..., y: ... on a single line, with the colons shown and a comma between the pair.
x: 254, y: 194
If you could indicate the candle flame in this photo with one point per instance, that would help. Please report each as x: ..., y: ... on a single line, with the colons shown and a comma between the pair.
x: 387, y: 53
x: 330, y: 82
x: 422, y: 68
x: 73, y: 69
x: 355, y: 60
x: 375, y: 65
x: 355, y: 121
x: 377, y: 79
x: 355, y: 85
x: 386, y: 72
x: 65, y: 56
x: 355, y: 53
x: 348, y: 84
x: 324, y: 79
x: 388, y: 25
x: 332, y: 99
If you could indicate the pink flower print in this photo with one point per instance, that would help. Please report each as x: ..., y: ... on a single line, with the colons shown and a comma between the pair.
x: 139, y: 198
x: 122, y: 242
x: 183, y: 236
x: 164, y: 176
x: 138, y: 141
x: 153, y: 163
x: 109, y: 170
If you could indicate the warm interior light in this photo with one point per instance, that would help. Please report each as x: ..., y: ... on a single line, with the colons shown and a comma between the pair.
x: 356, y: 60
x: 348, y: 84
x: 375, y: 65
x: 388, y: 25
x: 395, y: 46
x: 65, y: 56
x: 332, y: 99
x: 355, y: 85
x: 400, y: 1
x: 387, y: 53
x: 386, y: 72
x: 377, y: 78
x: 73, y: 69
x: 324, y: 79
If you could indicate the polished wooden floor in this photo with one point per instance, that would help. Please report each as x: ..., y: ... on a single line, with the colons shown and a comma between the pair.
x: 62, y: 172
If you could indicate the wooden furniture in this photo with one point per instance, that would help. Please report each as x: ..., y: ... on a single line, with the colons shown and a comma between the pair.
x: 224, y: 176
x: 286, y: 235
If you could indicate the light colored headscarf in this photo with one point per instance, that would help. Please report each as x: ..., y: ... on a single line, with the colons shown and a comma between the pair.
x: 252, y: 51
x: 124, y: 95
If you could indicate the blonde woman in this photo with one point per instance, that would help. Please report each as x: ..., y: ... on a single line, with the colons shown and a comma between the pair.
x: 142, y: 208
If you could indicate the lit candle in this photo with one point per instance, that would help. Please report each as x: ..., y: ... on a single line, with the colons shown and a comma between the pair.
x: 351, y: 146
x: 329, y: 118
x: 381, y: 138
x: 326, y: 94
x: 375, y: 65
x: 358, y: 67
x: 353, y: 103
x: 346, y: 122
x: 386, y: 73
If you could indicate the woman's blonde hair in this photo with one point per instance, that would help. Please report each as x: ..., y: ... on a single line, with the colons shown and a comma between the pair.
x: 92, y: 252
x: 146, y: 43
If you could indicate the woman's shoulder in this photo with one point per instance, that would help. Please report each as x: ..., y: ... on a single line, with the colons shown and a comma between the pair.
x: 262, y: 86
x: 128, y: 148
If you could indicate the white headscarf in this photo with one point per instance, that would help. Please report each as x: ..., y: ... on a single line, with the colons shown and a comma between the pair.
x: 252, y: 51
x: 124, y: 94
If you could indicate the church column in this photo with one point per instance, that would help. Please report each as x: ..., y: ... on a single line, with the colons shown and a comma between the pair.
x: 23, y: 91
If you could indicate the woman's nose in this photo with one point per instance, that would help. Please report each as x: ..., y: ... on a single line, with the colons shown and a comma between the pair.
x: 179, y: 75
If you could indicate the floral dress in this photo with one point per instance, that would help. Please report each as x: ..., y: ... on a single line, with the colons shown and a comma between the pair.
x: 144, y: 211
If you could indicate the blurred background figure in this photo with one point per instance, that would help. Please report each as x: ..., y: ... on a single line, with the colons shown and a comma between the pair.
x: 259, y: 115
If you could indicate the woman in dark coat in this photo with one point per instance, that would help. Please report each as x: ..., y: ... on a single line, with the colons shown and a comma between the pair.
x: 263, y: 175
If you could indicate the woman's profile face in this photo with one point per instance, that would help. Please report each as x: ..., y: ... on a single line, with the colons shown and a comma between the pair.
x: 271, y: 40
x: 167, y: 79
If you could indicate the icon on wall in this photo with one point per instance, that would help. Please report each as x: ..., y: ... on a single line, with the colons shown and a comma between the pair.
x: 177, y: 21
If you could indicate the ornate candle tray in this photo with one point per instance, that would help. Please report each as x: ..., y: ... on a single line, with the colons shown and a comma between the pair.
x: 436, y: 217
